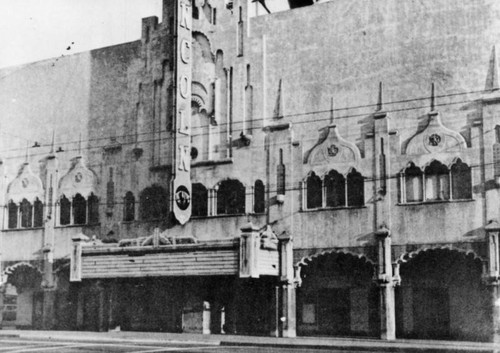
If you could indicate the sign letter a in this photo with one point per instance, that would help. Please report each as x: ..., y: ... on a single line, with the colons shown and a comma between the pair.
x: 185, y: 16
x: 184, y: 158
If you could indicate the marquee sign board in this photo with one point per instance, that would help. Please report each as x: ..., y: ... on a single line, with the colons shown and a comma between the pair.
x: 182, y: 165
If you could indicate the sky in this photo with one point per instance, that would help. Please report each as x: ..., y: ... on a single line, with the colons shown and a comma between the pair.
x: 33, y: 30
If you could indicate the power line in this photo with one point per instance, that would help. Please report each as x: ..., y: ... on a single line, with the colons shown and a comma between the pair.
x: 290, y: 187
x: 253, y: 128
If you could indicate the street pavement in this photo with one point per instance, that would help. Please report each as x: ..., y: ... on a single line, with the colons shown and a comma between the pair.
x: 20, y: 341
x: 9, y: 345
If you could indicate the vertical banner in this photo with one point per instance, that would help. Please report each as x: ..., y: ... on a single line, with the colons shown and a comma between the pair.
x: 75, y: 274
x: 182, y: 163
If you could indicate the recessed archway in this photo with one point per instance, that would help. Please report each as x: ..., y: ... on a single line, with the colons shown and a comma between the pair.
x: 442, y: 297
x: 338, y: 296
x: 23, y: 296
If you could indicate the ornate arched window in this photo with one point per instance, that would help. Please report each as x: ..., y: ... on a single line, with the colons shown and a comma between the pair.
x: 12, y: 210
x: 26, y: 210
x: 334, y: 189
x: 413, y: 184
x: 314, y: 191
x: 37, y: 213
x: 461, y: 181
x: 129, y: 207
x: 437, y: 182
x: 79, y: 209
x: 65, y: 211
x: 355, y: 189
x: 153, y: 203
x: 93, y: 208
x: 199, y: 200
x: 231, y: 197
x: 259, y: 197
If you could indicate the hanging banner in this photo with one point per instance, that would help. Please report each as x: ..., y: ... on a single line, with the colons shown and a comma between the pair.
x: 75, y: 274
x: 182, y: 179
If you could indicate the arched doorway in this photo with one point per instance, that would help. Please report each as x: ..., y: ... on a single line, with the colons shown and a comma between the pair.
x: 23, y: 298
x: 337, y: 297
x: 442, y: 297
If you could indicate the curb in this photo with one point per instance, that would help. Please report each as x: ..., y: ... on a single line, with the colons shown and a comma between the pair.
x: 343, y: 347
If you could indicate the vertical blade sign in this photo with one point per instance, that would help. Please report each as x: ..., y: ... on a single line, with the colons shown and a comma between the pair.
x: 182, y: 180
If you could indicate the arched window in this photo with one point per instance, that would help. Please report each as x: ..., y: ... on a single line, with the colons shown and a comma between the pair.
x: 129, y: 207
x: 199, y: 205
x: 79, y: 210
x: 461, y: 181
x: 437, y: 182
x: 413, y: 183
x: 314, y: 191
x: 355, y: 189
x: 38, y: 213
x: 93, y: 205
x: 335, y: 189
x: 12, y: 215
x: 153, y: 203
x: 26, y: 214
x: 259, y: 197
x: 231, y: 197
x: 65, y: 212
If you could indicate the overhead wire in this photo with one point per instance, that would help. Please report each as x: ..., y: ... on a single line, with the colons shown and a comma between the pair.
x: 108, y: 138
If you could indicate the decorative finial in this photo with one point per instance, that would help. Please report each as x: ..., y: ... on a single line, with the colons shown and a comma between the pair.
x: 27, y: 152
x: 379, y: 100
x: 492, y: 76
x: 432, y: 97
x: 332, y: 115
x: 52, y: 143
x: 278, y: 109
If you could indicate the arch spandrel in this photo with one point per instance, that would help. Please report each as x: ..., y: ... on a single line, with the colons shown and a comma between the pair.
x: 79, y: 180
x: 22, y: 275
x: 356, y: 253
x: 436, y: 138
x: 334, y: 152
x: 26, y: 185
x: 403, y: 256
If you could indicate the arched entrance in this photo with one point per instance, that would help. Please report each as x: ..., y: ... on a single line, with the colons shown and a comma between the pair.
x: 442, y: 297
x: 23, y: 298
x: 337, y: 297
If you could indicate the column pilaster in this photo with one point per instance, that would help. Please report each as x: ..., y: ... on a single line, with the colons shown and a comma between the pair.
x: 386, y: 281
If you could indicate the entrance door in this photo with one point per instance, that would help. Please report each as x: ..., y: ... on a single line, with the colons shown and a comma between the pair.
x: 431, y: 312
x: 334, y: 308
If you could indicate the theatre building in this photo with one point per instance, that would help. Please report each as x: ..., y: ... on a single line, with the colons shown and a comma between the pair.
x: 328, y: 170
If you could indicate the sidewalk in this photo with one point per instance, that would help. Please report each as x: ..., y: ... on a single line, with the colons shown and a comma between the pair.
x: 228, y: 340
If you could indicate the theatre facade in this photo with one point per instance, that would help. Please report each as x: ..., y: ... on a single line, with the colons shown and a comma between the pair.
x: 329, y: 170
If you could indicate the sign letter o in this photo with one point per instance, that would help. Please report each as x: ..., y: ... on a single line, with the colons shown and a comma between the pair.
x: 185, y: 51
x: 184, y: 86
